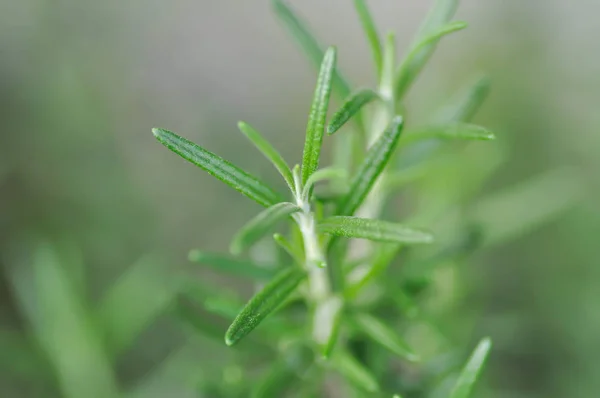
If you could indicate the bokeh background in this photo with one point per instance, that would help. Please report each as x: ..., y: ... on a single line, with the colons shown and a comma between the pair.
x: 84, y: 185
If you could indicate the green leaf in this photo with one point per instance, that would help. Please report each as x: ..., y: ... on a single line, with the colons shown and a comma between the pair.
x: 349, y: 108
x: 377, y: 230
x: 308, y: 43
x: 260, y: 225
x: 419, y: 53
x: 382, y: 334
x: 370, y: 169
x: 289, y: 248
x: 326, y: 323
x: 269, y: 152
x: 218, y: 167
x: 318, y: 115
x: 381, y: 259
x: 452, y: 131
x: 233, y: 266
x: 276, y: 382
x: 463, y: 106
x: 64, y: 327
x: 368, y: 25
x: 471, y: 371
x: 328, y: 173
x: 141, y: 294
x: 262, y: 304
x: 353, y: 371
x: 520, y: 209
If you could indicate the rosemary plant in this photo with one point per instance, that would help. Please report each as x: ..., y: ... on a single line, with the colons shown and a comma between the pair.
x: 322, y: 307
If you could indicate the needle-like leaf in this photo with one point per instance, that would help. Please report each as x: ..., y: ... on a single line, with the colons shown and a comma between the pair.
x: 419, y: 53
x: 353, y: 371
x: 232, y: 266
x: 218, y: 167
x: 260, y: 225
x: 370, y: 169
x: 263, y: 303
x: 470, y: 373
x: 463, y: 105
x: 328, y: 173
x: 377, y: 230
x: 368, y: 25
x: 308, y: 43
x: 318, y: 114
x: 269, y: 152
x: 452, y: 131
x: 289, y: 248
x: 349, y: 108
x: 382, y: 334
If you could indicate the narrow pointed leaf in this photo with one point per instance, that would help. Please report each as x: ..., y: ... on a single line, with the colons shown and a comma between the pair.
x: 218, y: 167
x: 470, y: 373
x: 264, y: 303
x: 452, y: 131
x: 326, y: 323
x: 518, y: 210
x: 328, y: 173
x: 234, y: 266
x: 269, y: 152
x: 353, y: 371
x: 370, y: 169
x: 377, y: 230
x: 289, y: 248
x: 368, y: 25
x: 317, y: 116
x: 308, y: 43
x: 260, y: 225
x: 349, y: 108
x: 463, y: 105
x: 412, y: 64
x: 382, y: 334
x: 137, y: 298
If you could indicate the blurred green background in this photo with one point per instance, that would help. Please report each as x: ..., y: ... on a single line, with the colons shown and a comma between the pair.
x: 84, y: 186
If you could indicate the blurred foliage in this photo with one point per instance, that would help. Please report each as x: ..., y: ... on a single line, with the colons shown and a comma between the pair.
x: 84, y: 195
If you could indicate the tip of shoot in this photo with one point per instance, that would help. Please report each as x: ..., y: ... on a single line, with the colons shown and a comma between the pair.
x: 228, y: 341
x: 157, y: 132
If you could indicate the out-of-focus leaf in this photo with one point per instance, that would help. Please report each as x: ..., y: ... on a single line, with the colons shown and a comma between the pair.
x: 218, y: 167
x: 318, y: 115
x: 375, y: 267
x: 440, y: 14
x: 412, y: 63
x: 269, y: 152
x: 377, y: 230
x: 262, y: 304
x: 520, y: 209
x: 452, y: 131
x: 286, y: 245
x: 368, y: 25
x: 328, y: 173
x: 308, y: 43
x: 234, y: 266
x: 326, y: 323
x: 353, y: 371
x: 463, y: 106
x: 260, y: 225
x: 374, y: 163
x: 470, y: 373
x: 66, y: 332
x: 349, y: 108
x: 133, y: 302
x: 382, y: 334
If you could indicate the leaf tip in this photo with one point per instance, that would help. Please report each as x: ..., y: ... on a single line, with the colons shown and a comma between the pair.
x: 229, y: 341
